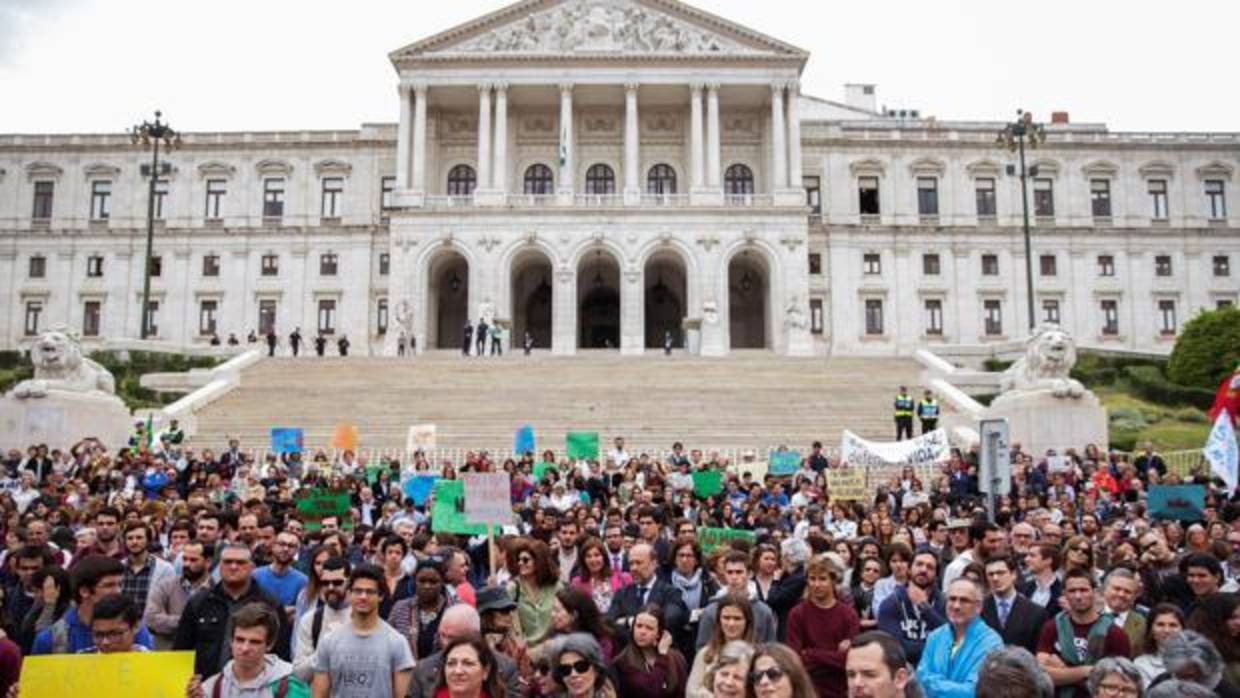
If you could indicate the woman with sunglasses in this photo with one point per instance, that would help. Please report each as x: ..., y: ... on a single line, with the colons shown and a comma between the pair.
x: 730, y: 673
x: 776, y: 672
x: 533, y: 587
x: 469, y: 670
x: 649, y: 666
x: 735, y: 623
x: 1078, y: 553
x: 578, y: 668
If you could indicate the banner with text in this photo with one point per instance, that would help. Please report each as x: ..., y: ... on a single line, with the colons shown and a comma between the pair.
x: 925, y: 449
x: 488, y: 497
x: 713, y: 538
x: 846, y: 484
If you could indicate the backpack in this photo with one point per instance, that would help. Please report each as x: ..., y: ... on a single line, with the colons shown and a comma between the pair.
x: 316, y: 626
x: 280, y: 690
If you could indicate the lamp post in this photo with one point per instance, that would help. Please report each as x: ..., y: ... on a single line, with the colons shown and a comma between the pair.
x: 1013, y: 136
x: 152, y: 133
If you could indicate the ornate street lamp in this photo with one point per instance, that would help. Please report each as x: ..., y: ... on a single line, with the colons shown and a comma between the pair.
x: 148, y: 133
x: 1013, y: 136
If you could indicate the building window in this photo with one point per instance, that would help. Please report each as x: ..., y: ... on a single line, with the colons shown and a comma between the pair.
x: 1043, y: 197
x: 539, y: 180
x: 600, y: 180
x: 738, y: 180
x: 161, y: 193
x: 327, y: 264
x: 661, y: 180
x: 381, y: 316
x: 273, y: 197
x: 928, y: 196
x: 216, y: 189
x: 984, y: 189
x: 930, y: 265
x: 1224, y: 303
x: 387, y: 185
x: 993, y: 310
x: 157, y: 266
x: 271, y: 265
x: 1050, y: 311
x: 1222, y: 265
x: 815, y: 263
x: 872, y: 263
x: 333, y: 197
x: 211, y: 265
x: 34, y: 311
x: 385, y: 264
x: 266, y: 316
x: 1162, y: 265
x: 1100, y: 197
x: 152, y: 318
x: 1110, y: 317
x: 1158, y: 197
x: 206, y: 317
x: 92, y: 311
x: 38, y: 267
x: 1106, y: 265
x: 816, y: 320
x: 94, y: 266
x: 1049, y: 264
x: 867, y: 192
x: 1216, y: 200
x: 990, y: 265
x: 934, y: 317
x: 100, y: 200
x: 462, y: 180
x: 327, y: 316
x: 1166, y: 317
x: 813, y: 194
x: 43, y: 192
x: 874, y: 317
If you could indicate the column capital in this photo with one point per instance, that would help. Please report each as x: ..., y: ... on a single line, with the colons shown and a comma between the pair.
x: 697, y: 86
x: 485, y: 87
x: 403, y: 90
x: 501, y: 86
x: 566, y: 89
x: 631, y: 86
x: 713, y: 87
x: 794, y: 87
x: 421, y: 87
x: 777, y: 89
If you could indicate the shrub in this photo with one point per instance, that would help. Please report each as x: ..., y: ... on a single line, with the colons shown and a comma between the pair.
x: 1149, y: 383
x: 1207, y: 349
x: 996, y: 365
x: 1127, y: 419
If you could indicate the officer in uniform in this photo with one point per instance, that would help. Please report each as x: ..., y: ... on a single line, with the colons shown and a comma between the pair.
x: 904, y: 415
x: 928, y: 413
x: 320, y: 344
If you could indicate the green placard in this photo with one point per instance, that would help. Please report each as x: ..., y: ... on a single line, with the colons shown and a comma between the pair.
x: 372, y: 473
x: 712, y: 539
x: 707, y: 482
x: 448, y: 514
x: 320, y: 503
x: 541, y: 468
x: 582, y: 444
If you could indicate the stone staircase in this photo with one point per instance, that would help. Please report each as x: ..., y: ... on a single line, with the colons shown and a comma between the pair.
x: 748, y: 400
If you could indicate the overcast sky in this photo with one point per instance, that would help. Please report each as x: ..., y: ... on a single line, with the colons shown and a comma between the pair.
x: 87, y: 65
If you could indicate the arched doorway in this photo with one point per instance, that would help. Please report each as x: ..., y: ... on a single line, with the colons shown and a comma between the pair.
x: 448, y: 300
x: 748, y: 294
x: 531, y: 299
x: 598, y: 301
x: 665, y: 298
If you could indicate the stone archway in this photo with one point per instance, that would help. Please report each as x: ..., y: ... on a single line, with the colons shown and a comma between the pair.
x: 531, y: 300
x: 749, y: 288
x: 447, y: 300
x: 665, y: 299
x: 598, y: 301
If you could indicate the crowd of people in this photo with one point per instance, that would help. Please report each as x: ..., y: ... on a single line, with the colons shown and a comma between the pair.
x: 604, y: 584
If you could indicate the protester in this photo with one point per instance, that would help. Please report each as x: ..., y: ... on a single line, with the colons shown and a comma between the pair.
x: 578, y: 668
x: 1077, y: 638
x: 649, y: 665
x: 94, y: 577
x: 461, y: 624
x: 1115, y: 676
x: 253, y: 671
x: 168, y: 597
x: 876, y: 667
x: 954, y: 652
x: 1013, y: 672
x: 776, y: 672
x: 820, y: 628
x: 1165, y: 620
x: 735, y: 624
x: 330, y: 613
x: 364, y: 658
x: 727, y: 676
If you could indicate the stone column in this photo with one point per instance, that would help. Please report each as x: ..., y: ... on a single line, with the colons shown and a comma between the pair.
x: 794, y: 136
x: 695, y: 137
x: 500, y: 173
x: 404, y: 133
x: 632, y: 302
x: 713, y: 148
x: 567, y: 172
x: 779, y: 145
x: 419, y: 138
x: 632, y: 131
x: 563, y: 312
x: 484, y: 136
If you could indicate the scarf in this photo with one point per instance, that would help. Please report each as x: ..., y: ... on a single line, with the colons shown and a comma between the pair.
x: 690, y: 588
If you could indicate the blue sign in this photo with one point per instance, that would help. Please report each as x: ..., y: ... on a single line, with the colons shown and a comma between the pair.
x: 419, y: 487
x: 524, y: 441
x: 287, y: 440
x: 1178, y: 502
x: 784, y: 462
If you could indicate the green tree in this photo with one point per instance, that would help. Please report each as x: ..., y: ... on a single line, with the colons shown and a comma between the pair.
x: 1207, y: 349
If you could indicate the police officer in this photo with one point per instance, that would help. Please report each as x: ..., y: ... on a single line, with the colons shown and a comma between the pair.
x: 904, y: 415
x: 294, y: 341
x: 928, y: 413
x: 528, y: 342
x: 342, y: 345
x: 320, y: 344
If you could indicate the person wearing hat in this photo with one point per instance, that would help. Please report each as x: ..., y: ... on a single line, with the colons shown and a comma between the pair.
x: 499, y: 627
x: 904, y: 406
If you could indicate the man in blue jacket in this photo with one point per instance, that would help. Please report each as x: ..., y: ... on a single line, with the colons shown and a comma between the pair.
x: 954, y: 652
x: 914, y: 609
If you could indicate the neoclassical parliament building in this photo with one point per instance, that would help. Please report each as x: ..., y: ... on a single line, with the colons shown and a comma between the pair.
x: 606, y: 174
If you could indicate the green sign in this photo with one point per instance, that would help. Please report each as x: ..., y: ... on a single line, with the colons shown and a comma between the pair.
x: 318, y: 504
x: 707, y: 483
x: 372, y: 473
x: 712, y: 539
x: 541, y: 468
x: 448, y: 514
x: 582, y: 444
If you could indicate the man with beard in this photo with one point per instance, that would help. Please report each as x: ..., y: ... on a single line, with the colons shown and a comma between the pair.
x: 914, y: 609
x: 107, y: 538
x: 364, y: 658
x: 331, y: 612
x: 142, y: 569
x: 168, y: 597
x: 279, y: 578
x: 1076, y: 639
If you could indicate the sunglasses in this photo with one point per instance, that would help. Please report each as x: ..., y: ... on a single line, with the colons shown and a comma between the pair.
x: 580, y: 666
x: 333, y: 582
x: 542, y: 669
x: 774, y: 674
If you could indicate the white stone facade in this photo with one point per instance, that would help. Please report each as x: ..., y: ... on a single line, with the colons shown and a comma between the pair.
x: 491, y: 196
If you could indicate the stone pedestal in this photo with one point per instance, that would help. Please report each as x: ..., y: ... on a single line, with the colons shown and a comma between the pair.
x: 63, y: 418
x: 1039, y: 420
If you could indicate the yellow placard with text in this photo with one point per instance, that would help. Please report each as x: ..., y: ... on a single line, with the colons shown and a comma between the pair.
x: 122, y: 675
x: 846, y: 484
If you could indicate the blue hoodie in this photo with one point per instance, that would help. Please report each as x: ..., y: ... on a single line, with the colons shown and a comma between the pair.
x: 910, y: 623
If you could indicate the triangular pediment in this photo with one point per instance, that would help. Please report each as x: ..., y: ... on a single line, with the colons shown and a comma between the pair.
x: 598, y: 28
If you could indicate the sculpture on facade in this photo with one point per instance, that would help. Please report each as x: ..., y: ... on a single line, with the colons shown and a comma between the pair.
x: 404, y: 318
x: 486, y: 311
x: 794, y: 316
x: 710, y: 313
x: 60, y: 365
x: 1050, y: 354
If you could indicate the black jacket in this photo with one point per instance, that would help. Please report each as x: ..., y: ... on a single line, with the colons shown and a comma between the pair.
x: 785, y: 594
x: 1024, y: 622
x: 627, y: 602
x: 204, y: 623
x: 1052, y: 606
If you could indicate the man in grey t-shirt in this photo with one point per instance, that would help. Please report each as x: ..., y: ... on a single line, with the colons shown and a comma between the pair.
x: 364, y: 658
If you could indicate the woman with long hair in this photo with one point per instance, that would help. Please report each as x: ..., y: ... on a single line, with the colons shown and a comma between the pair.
x: 597, y: 578
x: 697, y: 586
x: 1166, y: 619
x: 765, y: 565
x: 649, y: 666
x: 734, y: 621
x: 574, y: 611
x: 777, y: 672
x: 730, y: 673
x: 1217, y: 616
x: 863, y: 592
x: 469, y: 670
x: 534, y: 584
x: 308, y: 598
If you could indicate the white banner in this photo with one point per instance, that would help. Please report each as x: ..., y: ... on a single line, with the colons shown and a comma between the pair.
x: 1221, y: 450
x: 923, y: 450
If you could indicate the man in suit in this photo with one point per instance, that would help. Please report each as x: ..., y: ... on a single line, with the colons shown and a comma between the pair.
x: 1017, y: 619
x: 1119, y: 591
x: 1045, y: 586
x: 647, y: 588
x: 613, y: 538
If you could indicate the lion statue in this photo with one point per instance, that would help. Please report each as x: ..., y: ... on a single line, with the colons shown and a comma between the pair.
x: 60, y: 365
x: 1050, y: 354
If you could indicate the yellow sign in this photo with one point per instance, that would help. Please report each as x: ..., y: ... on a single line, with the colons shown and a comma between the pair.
x: 845, y: 484
x: 124, y: 675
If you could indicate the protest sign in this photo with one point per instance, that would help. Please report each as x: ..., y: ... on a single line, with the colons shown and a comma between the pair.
x: 319, y: 504
x: 846, y: 484
x: 523, y: 442
x: 419, y: 487
x: 372, y: 472
x: 488, y: 497
x: 421, y: 438
x: 344, y: 437
x: 1058, y: 464
x: 927, y: 448
x: 1178, y: 502
x: 541, y: 468
x: 287, y: 440
x: 712, y: 539
x: 785, y: 462
x: 448, y: 513
x: 756, y: 469
x: 121, y: 675
x: 582, y: 444
x: 707, y: 482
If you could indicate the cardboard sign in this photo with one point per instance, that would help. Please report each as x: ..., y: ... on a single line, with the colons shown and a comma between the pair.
x: 711, y: 539
x: 320, y: 504
x: 707, y: 483
x: 287, y: 440
x: 1178, y: 502
x: 421, y: 438
x: 488, y: 497
x: 785, y: 462
x: 927, y: 448
x: 541, y: 468
x: 846, y: 484
x: 523, y: 442
x: 756, y: 469
x: 344, y: 437
x: 582, y: 444
x: 120, y: 675
x: 1058, y: 464
x: 448, y: 512
x: 419, y: 488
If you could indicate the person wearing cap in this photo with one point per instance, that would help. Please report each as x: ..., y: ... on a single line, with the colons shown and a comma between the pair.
x: 499, y: 627
x: 904, y: 414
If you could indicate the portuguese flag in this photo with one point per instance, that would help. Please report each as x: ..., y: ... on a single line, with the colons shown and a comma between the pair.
x: 1227, y: 397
